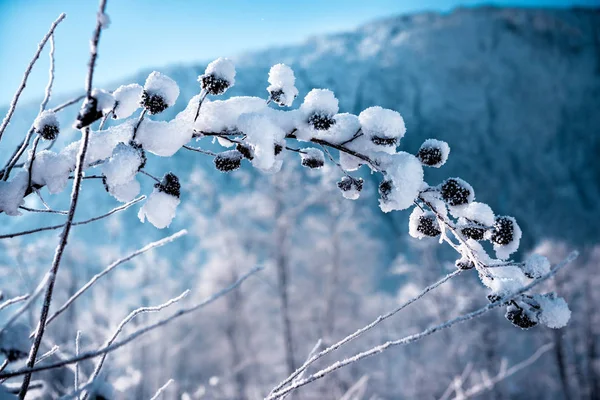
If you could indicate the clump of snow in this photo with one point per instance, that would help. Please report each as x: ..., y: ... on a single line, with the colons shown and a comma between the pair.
x: 477, y: 212
x: 105, y: 100
x: 125, y: 192
x: 282, y: 87
x: 123, y: 165
x: 345, y: 127
x: 46, y: 125
x: 350, y: 187
x: 554, y: 311
x: 262, y: 134
x: 12, y: 193
x: 321, y: 101
x: 51, y: 170
x: 163, y: 138
x: 127, y: 98
x: 222, y: 68
x: 383, y: 127
x: 505, y: 236
x: 536, y: 266
x: 159, y: 209
x: 434, y: 153
x: 406, y: 173
x: 223, y: 115
x: 312, y: 158
x: 421, y: 222
x: 158, y: 84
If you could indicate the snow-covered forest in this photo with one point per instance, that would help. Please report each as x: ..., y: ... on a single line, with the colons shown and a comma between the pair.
x: 404, y: 211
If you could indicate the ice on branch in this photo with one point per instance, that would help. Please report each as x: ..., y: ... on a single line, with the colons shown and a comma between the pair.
x: 160, y: 92
x: 127, y: 100
x: 423, y: 224
x: 262, y: 135
x: 402, y: 183
x: 317, y: 111
x: 282, y: 89
x: 434, y: 153
x: 218, y: 76
x: 12, y: 193
x: 14, y: 342
x: 312, y: 158
x: 46, y: 125
x: 161, y: 206
x: 383, y: 127
x: 51, y: 170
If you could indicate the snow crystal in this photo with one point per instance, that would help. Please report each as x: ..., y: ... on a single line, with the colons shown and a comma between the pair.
x: 127, y: 99
x: 383, y: 127
x: 554, y: 311
x: 222, y: 68
x: 160, y: 209
x: 262, y: 134
x: 158, y: 84
x: 504, y: 251
x: 222, y: 115
x: 406, y: 174
x: 281, y: 88
x: 51, y: 170
x: 536, y: 266
x: 312, y: 158
x: 434, y: 153
x: 12, y: 193
x: 46, y: 118
x: 123, y: 165
x: 105, y: 100
x: 125, y: 192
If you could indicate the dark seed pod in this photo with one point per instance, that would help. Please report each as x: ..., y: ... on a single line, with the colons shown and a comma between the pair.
x: 154, y: 103
x: 384, y: 141
x: 276, y: 96
x: 456, y: 192
x: 385, y: 188
x: 321, y: 122
x: 311, y: 162
x: 518, y: 317
x: 278, y: 149
x: 433, y: 153
x: 246, y: 151
x: 105, y: 183
x: 428, y: 226
x: 348, y: 183
x: 464, y: 263
x: 493, y: 297
x: 473, y: 231
x: 141, y: 152
x: 170, y: 185
x: 503, y: 231
x: 88, y: 114
x: 228, y: 160
x: 213, y: 85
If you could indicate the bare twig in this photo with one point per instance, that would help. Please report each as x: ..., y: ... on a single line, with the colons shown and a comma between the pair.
x: 46, y: 210
x: 74, y: 199
x: 136, y: 334
x: 203, y: 94
x: 87, y: 221
x: 418, y: 336
x: 30, y: 300
x: 150, y: 175
x: 139, y: 122
x: 68, y: 103
x: 162, y: 389
x: 112, y: 266
x: 76, y: 379
x: 12, y: 301
x: 47, y: 354
x: 15, y: 99
x: 207, y: 152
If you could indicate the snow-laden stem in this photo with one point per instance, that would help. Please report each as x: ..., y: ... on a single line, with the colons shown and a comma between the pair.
x: 14, y: 300
x: 47, y: 354
x: 31, y: 160
x: 76, y: 378
x: 418, y: 336
x: 46, y: 210
x: 112, y: 266
x: 202, y: 97
x: 127, y: 319
x: 74, y: 199
x: 162, y: 389
x: 139, y: 122
x: 87, y: 221
x: 136, y: 334
x: 360, y: 331
x: 15, y: 100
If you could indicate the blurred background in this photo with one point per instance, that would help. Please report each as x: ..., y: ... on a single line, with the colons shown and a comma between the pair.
x: 513, y: 87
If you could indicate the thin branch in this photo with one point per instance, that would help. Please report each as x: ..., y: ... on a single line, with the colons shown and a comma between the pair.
x: 139, y: 122
x: 150, y: 175
x: 31, y: 160
x: 12, y: 301
x: 359, y: 332
x: 76, y: 379
x: 203, y: 94
x: 207, y: 152
x: 30, y: 300
x: 112, y: 266
x: 47, y: 354
x: 136, y: 334
x: 35, y: 210
x: 68, y: 103
x: 418, y: 336
x: 74, y: 199
x: 15, y: 100
x: 132, y: 315
x: 4, y: 365
x: 106, y: 116
x: 87, y: 221
x: 162, y: 389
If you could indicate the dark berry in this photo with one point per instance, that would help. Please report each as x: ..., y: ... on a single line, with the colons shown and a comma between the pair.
x: 383, y: 141
x: 88, y: 114
x: 154, y: 103
x: 169, y: 185
x: 385, y: 188
x: 473, y: 231
x: 214, y: 85
x: 312, y: 162
x: 321, y: 122
x: 48, y: 132
x: 228, y: 160
x: 456, y: 192
x: 347, y: 183
x: 518, y: 317
x: 503, y: 231
x: 430, y: 156
x: 246, y: 151
x: 428, y: 226
x: 276, y: 96
x: 278, y: 149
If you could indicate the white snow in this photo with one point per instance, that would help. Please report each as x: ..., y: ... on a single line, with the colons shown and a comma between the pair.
x: 536, y: 266
x: 163, y: 86
x: 125, y: 192
x: 163, y: 138
x: 105, y: 100
x: 503, y: 252
x: 223, y: 115
x: 46, y: 118
x: 406, y: 173
x: 262, y: 134
x: 345, y: 127
x: 321, y: 101
x: 310, y: 154
x: 377, y: 122
x: 12, y: 193
x: 122, y: 166
x: 413, y: 222
x: 159, y: 209
x: 442, y: 146
x: 477, y: 212
x: 555, y: 311
x: 127, y: 99
x: 281, y: 77
x: 222, y: 68
x: 52, y: 170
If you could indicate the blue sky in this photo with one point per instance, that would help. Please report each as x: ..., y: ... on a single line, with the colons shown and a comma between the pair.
x: 154, y: 33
